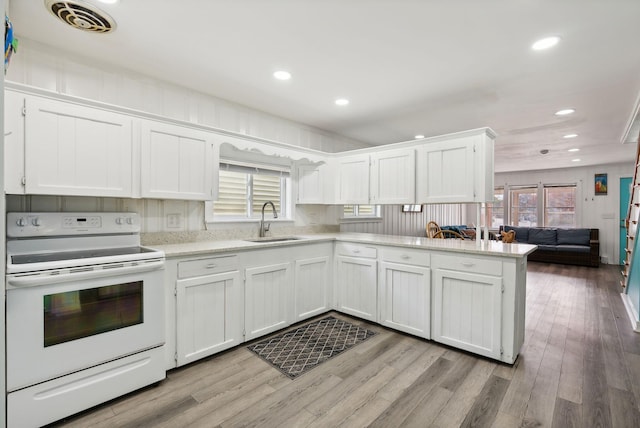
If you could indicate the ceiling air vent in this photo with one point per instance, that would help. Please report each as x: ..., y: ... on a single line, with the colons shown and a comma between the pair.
x: 81, y: 15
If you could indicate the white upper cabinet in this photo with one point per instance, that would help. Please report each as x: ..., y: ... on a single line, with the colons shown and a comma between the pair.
x: 13, y: 143
x: 455, y: 170
x: 393, y: 177
x: 177, y: 162
x: 311, y: 184
x: 353, y: 179
x: 72, y: 149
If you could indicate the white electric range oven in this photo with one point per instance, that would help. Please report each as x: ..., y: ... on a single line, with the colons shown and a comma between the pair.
x: 84, y: 316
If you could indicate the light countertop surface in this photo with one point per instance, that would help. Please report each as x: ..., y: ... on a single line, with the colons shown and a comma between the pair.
x: 486, y: 248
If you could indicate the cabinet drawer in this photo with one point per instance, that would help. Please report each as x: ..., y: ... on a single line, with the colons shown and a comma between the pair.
x: 356, y: 250
x: 207, y: 266
x: 468, y: 264
x: 406, y: 256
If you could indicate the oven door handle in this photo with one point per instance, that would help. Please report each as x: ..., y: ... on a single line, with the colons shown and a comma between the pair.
x: 32, y: 281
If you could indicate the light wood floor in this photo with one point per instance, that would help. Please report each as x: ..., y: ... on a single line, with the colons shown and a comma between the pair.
x: 579, y: 367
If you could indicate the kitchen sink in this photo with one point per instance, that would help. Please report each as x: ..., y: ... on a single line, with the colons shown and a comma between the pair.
x: 275, y: 239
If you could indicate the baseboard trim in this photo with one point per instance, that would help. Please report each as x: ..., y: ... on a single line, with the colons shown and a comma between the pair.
x: 631, y: 312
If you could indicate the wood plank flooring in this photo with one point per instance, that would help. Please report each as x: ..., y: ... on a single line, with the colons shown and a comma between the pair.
x: 579, y: 367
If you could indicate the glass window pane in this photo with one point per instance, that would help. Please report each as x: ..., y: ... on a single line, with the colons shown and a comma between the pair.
x: 560, y: 206
x: 265, y: 188
x: 496, y: 208
x: 232, y: 194
x: 524, y: 211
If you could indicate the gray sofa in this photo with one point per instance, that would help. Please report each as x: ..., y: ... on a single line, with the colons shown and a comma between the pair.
x: 577, y: 246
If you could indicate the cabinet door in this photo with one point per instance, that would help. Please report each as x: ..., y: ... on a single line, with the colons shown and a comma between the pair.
x: 405, y: 298
x: 209, y: 315
x: 76, y: 150
x: 310, y: 184
x: 311, y: 287
x: 357, y: 287
x: 353, y: 180
x: 467, y: 310
x: 445, y: 171
x: 13, y: 143
x: 268, y: 301
x: 393, y: 177
x: 177, y: 162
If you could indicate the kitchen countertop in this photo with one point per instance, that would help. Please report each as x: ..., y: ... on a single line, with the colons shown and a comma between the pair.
x: 486, y: 248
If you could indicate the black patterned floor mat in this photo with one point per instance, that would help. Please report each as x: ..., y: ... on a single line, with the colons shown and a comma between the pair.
x: 297, y: 351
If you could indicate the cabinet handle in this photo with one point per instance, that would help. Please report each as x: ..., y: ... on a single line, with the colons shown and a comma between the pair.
x: 356, y: 251
x: 211, y: 266
x: 468, y: 264
x: 405, y: 257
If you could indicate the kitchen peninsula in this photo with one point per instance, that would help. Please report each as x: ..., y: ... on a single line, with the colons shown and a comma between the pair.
x: 465, y: 294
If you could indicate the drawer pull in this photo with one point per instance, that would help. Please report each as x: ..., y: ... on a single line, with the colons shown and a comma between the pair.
x: 211, y: 266
x: 356, y: 251
x: 405, y: 257
x: 468, y: 264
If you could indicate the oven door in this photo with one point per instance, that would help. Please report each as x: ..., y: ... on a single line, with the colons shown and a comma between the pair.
x: 58, y: 328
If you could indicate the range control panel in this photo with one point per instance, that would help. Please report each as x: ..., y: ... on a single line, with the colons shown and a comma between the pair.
x: 23, y: 225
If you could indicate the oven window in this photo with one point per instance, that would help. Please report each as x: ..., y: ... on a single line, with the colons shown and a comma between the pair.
x: 82, y: 313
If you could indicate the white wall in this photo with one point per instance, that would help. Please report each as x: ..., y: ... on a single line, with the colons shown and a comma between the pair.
x: 594, y: 211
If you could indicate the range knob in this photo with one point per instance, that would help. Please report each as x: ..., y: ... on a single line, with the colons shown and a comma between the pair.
x: 36, y: 221
x: 129, y: 220
x: 22, y: 222
x: 119, y: 220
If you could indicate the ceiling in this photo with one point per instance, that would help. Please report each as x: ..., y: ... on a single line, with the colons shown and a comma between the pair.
x: 408, y: 67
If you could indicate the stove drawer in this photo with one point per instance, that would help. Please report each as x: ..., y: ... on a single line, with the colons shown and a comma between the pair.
x: 207, y: 266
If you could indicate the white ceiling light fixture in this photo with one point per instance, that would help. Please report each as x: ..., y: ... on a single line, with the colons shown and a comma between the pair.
x: 109, y: 1
x: 342, y: 102
x: 282, y: 75
x: 575, y: 160
x: 546, y: 43
x: 81, y: 15
x: 573, y: 150
x: 419, y: 136
x: 570, y: 136
x: 565, y: 112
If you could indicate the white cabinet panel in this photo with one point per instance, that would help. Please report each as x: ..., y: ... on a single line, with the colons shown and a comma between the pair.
x: 311, y: 184
x: 13, y: 143
x: 393, y: 177
x: 445, y: 171
x: 405, y: 298
x: 76, y: 150
x: 357, y: 286
x: 353, y: 179
x: 177, y: 162
x: 268, y: 299
x: 467, y: 310
x: 312, y: 282
x: 209, y: 315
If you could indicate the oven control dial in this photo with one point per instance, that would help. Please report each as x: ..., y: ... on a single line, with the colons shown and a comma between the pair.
x: 129, y: 220
x: 22, y: 222
x: 36, y: 221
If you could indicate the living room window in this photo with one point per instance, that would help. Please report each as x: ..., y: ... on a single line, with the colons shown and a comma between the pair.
x: 550, y: 205
x: 244, y: 188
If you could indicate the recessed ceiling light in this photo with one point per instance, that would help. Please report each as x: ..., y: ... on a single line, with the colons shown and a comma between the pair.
x: 565, y: 112
x: 282, y: 75
x: 342, y: 102
x: 575, y: 160
x: 570, y: 136
x: 109, y: 1
x: 546, y: 43
x: 544, y: 151
x: 417, y: 137
x: 573, y: 150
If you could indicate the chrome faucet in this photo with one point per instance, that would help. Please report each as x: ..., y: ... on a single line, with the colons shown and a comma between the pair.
x: 264, y: 229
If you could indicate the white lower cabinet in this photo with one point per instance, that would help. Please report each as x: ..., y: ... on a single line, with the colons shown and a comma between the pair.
x: 467, y: 304
x: 312, y: 279
x: 268, y: 301
x: 209, y: 308
x: 356, y: 280
x: 405, y: 292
